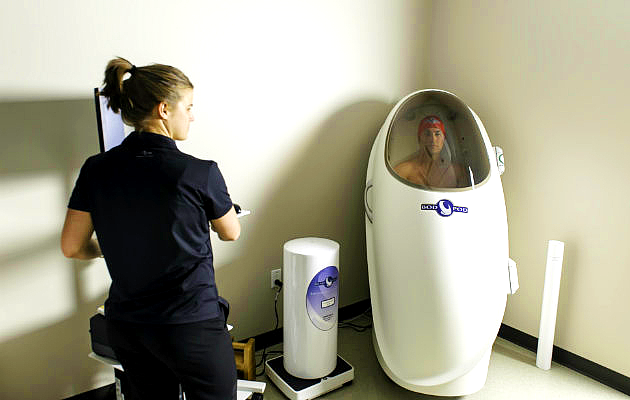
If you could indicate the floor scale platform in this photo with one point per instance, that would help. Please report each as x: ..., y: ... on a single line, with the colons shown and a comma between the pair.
x: 305, y: 389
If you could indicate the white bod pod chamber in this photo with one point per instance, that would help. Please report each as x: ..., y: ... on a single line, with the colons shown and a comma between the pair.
x: 437, y: 245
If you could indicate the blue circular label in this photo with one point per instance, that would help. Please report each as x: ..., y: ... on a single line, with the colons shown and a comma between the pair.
x: 322, y: 298
x: 445, y: 208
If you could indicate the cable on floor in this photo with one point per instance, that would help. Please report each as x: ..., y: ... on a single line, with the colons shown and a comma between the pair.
x: 265, y: 354
x: 356, y: 327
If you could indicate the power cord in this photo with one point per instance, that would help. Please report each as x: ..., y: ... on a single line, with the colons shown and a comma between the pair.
x: 278, y: 289
x: 358, y: 328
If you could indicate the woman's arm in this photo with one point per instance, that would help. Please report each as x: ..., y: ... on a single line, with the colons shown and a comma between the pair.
x: 76, y: 236
x: 227, y: 226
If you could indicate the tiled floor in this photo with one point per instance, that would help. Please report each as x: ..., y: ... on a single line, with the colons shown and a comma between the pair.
x: 512, y: 375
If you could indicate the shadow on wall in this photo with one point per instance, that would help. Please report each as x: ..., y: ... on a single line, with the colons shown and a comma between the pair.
x: 319, y: 193
x: 40, y: 356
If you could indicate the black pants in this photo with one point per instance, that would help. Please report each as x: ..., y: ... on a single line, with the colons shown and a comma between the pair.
x: 158, y: 358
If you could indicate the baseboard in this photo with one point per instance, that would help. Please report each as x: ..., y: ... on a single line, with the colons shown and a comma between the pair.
x: 579, y: 364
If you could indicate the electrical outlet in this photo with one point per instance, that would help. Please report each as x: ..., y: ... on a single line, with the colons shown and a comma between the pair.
x: 275, y: 274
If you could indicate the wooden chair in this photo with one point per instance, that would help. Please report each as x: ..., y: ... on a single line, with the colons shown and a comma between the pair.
x: 244, y: 357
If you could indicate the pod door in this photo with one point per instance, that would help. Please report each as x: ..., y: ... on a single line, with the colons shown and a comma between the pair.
x: 435, y: 143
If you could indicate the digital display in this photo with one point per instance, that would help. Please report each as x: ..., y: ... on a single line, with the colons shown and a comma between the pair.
x: 328, y: 303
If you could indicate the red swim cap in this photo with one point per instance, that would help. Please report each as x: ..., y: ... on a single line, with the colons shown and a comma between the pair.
x: 431, y: 122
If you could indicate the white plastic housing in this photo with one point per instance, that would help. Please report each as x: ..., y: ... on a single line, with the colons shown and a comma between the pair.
x: 437, y: 284
x: 549, y: 308
x: 310, y: 334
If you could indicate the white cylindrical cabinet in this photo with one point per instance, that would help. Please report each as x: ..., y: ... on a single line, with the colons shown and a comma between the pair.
x: 311, y: 303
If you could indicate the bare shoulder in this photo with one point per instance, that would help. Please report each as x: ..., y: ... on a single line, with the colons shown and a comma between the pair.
x: 404, y: 168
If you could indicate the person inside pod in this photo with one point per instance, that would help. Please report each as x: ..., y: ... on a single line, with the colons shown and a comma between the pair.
x: 429, y: 168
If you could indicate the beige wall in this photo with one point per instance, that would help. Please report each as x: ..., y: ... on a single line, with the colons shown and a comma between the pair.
x: 550, y: 82
x: 289, y: 96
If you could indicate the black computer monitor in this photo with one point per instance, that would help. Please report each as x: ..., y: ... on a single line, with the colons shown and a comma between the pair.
x: 111, y: 129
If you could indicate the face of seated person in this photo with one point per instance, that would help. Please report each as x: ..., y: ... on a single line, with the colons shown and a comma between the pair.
x: 432, y: 140
x: 429, y: 168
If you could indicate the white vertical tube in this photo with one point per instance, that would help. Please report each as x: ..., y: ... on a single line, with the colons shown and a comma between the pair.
x: 311, y: 304
x: 555, y: 253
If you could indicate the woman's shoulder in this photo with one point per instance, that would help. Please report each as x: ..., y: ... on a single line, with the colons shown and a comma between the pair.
x: 195, y: 161
x: 201, y: 168
x: 95, y: 160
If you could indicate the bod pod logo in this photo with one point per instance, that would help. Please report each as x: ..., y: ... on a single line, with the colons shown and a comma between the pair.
x: 444, y: 208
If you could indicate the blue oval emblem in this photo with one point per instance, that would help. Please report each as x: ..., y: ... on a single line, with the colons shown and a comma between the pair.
x: 445, y: 208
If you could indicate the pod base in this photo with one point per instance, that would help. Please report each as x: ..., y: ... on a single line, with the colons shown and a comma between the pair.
x: 469, y: 383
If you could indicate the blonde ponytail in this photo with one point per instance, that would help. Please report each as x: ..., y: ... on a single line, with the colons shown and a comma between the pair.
x: 136, y: 97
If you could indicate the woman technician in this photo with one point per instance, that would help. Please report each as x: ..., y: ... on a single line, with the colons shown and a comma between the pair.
x: 150, y: 205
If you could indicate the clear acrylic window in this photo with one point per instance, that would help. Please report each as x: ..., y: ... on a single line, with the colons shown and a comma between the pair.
x: 435, y: 143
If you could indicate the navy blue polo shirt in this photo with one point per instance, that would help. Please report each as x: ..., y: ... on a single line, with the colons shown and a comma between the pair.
x: 150, y: 205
